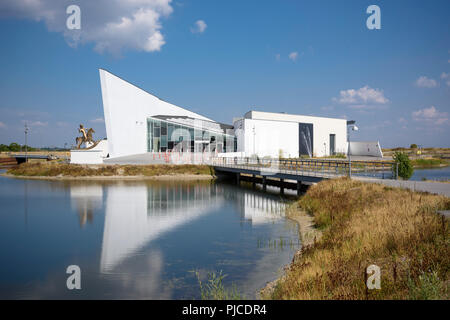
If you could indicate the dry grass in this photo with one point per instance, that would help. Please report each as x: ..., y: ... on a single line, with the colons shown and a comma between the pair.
x: 365, y: 224
x: 54, y: 169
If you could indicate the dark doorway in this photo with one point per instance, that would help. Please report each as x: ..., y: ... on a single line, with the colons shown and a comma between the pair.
x: 305, y: 139
x: 332, y: 144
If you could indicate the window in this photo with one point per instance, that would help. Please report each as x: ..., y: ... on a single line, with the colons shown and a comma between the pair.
x: 170, y: 128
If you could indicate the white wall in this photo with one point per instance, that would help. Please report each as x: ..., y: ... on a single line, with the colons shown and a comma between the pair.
x: 90, y: 156
x: 126, y: 108
x: 86, y: 156
x: 266, y: 138
x: 372, y: 149
x: 275, y: 131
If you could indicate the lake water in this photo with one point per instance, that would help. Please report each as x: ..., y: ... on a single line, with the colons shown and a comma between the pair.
x: 431, y: 174
x: 138, y: 240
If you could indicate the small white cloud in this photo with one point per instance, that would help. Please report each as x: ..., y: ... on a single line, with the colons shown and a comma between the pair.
x: 402, y: 120
x: 293, y: 56
x: 277, y: 57
x: 327, y: 108
x: 446, y: 78
x: 97, y: 120
x: 425, y: 82
x: 62, y: 124
x: 199, y: 27
x: 362, y: 98
x: 35, y: 123
x: 430, y: 115
x: 2, y: 125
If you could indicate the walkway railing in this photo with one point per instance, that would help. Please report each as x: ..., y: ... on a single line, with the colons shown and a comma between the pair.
x: 326, y: 168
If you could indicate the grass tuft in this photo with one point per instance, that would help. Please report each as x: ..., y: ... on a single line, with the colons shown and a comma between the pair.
x: 214, y: 289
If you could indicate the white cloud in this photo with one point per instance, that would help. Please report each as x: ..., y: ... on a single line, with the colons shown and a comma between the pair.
x: 62, y: 124
x: 98, y: 120
x: 112, y: 25
x: 364, y: 98
x: 430, y: 115
x: 446, y: 78
x: 327, y: 108
x: 424, y: 82
x: 278, y: 57
x: 35, y: 123
x: 199, y: 27
x: 293, y: 55
x: 402, y: 120
x: 2, y: 125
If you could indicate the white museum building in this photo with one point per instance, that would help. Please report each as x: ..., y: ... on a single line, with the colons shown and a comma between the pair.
x: 142, y: 128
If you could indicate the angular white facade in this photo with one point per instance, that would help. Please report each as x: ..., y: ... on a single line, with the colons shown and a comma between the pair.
x: 140, y: 125
x: 126, y: 108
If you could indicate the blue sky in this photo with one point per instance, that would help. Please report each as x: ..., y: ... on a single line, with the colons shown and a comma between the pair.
x: 301, y: 57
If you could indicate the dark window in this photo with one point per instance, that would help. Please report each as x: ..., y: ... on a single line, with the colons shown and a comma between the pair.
x: 163, y: 128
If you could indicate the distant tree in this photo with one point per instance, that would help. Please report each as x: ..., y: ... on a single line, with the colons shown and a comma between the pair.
x: 413, y: 146
x: 14, y: 147
x: 405, y: 167
x: 4, y: 148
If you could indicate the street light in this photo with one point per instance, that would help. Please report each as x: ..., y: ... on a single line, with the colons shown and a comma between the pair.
x: 350, y: 125
x: 26, y: 147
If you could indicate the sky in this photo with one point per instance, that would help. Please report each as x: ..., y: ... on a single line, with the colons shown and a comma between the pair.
x: 224, y: 58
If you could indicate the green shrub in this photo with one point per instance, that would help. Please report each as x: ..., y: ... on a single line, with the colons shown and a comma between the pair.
x: 413, y: 146
x: 405, y: 167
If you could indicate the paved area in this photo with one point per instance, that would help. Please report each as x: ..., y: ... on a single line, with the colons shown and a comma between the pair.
x: 445, y: 213
x: 431, y: 187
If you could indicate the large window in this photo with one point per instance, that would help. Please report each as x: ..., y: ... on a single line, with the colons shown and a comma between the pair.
x: 165, y: 136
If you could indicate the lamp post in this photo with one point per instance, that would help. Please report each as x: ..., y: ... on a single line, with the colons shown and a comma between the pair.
x: 26, y: 147
x: 254, y: 134
x: 350, y: 125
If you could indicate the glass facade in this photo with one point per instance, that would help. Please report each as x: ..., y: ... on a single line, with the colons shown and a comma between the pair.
x: 165, y: 136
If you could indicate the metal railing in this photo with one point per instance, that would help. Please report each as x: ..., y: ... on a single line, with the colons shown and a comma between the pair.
x: 325, y: 168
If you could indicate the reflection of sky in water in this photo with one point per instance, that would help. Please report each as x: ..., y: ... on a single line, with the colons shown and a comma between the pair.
x: 431, y: 174
x: 137, y: 239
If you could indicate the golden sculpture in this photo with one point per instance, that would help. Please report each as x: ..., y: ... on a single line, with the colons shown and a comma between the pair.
x: 86, y: 138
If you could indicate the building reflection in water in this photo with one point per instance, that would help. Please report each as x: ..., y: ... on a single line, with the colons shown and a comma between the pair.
x: 85, y: 198
x: 137, y: 213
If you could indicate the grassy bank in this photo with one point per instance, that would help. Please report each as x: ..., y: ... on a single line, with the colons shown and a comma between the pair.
x: 364, y: 224
x: 54, y: 169
x: 429, y: 163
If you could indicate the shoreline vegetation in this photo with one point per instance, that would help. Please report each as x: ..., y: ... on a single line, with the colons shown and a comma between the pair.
x: 55, y: 170
x: 429, y: 163
x: 363, y: 224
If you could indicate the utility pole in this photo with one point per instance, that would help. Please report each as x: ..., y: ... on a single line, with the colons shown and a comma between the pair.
x: 254, y: 134
x: 26, y: 147
x: 350, y: 125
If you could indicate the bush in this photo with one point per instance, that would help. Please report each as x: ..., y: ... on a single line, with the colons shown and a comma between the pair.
x: 413, y: 146
x: 405, y: 167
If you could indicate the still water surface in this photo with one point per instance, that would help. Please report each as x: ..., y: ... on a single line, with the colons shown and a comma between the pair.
x: 138, y: 240
x: 431, y: 174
